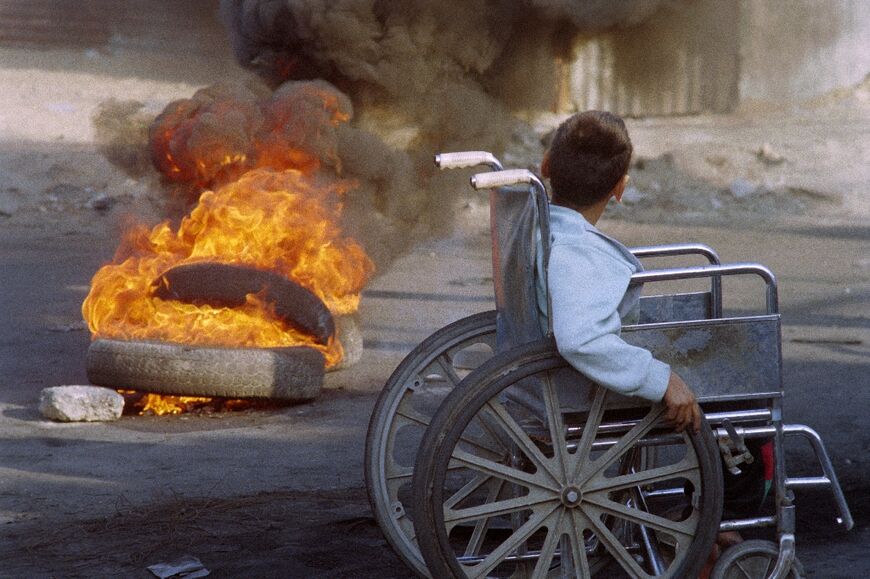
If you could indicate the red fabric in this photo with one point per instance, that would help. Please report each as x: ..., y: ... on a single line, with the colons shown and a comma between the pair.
x: 767, y: 458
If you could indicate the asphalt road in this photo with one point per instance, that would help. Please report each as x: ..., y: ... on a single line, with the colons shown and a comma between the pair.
x: 281, y: 491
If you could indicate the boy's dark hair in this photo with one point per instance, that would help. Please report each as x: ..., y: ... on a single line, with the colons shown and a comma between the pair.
x: 589, y: 154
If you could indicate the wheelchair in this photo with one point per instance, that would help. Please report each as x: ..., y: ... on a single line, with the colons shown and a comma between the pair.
x: 487, y: 455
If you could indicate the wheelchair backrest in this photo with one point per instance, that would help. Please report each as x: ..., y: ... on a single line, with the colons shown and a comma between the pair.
x: 513, y: 222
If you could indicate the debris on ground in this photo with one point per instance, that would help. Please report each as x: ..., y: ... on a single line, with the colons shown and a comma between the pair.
x: 187, y: 567
x: 741, y: 187
x: 349, y: 334
x: 80, y: 404
x: 768, y: 156
x: 79, y: 326
x: 8, y: 202
x: 101, y: 202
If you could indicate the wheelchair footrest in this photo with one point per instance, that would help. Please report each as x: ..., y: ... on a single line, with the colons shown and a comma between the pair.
x: 829, y: 480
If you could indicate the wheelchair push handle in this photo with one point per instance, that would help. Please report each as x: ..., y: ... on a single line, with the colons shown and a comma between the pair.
x: 496, y: 179
x: 464, y: 159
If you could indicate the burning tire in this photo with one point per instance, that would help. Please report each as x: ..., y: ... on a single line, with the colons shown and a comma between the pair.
x: 293, y: 374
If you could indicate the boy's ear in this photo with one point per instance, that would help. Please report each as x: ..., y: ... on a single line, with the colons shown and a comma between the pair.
x: 545, y: 166
x: 619, y: 188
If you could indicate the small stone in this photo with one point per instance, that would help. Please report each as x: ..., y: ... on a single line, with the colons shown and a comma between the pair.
x: 66, y: 192
x: 101, y: 203
x: 350, y: 337
x: 8, y: 204
x: 79, y: 326
x: 80, y: 404
x: 768, y: 156
x: 717, y: 160
x: 741, y: 187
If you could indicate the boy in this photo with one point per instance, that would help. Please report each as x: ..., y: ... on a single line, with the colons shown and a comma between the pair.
x: 590, y: 273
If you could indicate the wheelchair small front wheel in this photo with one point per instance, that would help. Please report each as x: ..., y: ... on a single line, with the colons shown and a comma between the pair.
x: 752, y: 560
x: 505, y: 491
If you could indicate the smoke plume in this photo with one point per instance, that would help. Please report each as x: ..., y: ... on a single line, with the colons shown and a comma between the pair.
x: 448, y: 73
x: 416, y: 77
x: 434, y: 59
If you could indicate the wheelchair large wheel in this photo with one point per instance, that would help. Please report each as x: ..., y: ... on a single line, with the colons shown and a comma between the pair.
x: 403, y: 411
x: 501, y: 492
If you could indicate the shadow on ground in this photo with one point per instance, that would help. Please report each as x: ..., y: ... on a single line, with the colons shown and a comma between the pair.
x: 287, y: 534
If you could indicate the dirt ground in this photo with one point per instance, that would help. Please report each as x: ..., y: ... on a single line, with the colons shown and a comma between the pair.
x: 279, y: 493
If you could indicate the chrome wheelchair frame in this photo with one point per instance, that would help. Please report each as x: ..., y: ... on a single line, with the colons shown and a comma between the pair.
x: 741, y: 393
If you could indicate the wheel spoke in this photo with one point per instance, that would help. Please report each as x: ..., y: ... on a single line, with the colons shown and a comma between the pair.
x: 520, y: 438
x: 612, y: 544
x: 645, y: 477
x: 596, y: 412
x: 493, y: 431
x: 771, y: 563
x: 478, y: 481
x: 494, y: 509
x: 578, y: 549
x: 407, y: 472
x: 501, y: 471
x: 746, y: 573
x: 413, y: 416
x: 404, y: 472
x: 446, y: 366
x: 649, y: 540
x: 510, y: 544
x: 680, y: 529
x: 480, y: 527
x: 557, y: 427
x: 588, y: 471
x: 548, y: 549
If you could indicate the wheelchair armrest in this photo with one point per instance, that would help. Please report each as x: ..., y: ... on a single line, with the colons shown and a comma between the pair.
x: 689, y: 249
x: 716, y: 271
x: 677, y: 249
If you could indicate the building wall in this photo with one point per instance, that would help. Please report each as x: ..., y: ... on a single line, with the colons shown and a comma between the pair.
x: 696, y: 56
x: 112, y: 25
x: 685, y: 59
x: 792, y: 51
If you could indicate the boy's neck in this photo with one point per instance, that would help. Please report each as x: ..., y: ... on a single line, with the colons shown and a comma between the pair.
x: 591, y: 213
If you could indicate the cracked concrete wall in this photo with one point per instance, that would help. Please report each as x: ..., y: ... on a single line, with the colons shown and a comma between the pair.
x: 683, y: 60
x: 696, y: 56
x: 805, y: 48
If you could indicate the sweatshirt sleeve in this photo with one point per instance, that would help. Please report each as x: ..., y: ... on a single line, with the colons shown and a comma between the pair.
x: 586, y: 288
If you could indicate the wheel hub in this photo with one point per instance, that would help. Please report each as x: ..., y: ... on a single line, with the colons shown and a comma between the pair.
x: 571, y: 496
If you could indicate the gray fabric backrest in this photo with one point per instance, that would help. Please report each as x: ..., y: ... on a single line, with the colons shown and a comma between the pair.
x: 513, y: 222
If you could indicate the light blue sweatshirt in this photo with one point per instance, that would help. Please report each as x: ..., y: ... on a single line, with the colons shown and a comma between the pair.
x: 589, y: 277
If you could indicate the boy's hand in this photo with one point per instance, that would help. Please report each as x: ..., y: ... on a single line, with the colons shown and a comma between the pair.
x: 683, y: 409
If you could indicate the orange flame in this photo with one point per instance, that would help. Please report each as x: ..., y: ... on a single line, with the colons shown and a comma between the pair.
x: 261, y: 155
x: 283, y: 221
